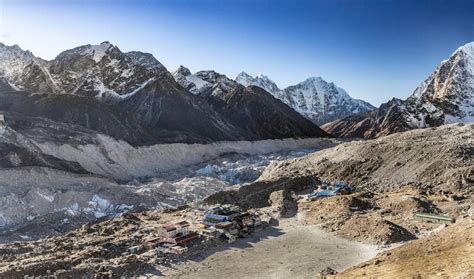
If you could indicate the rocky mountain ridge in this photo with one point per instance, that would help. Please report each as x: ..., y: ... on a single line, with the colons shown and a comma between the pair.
x: 96, y: 70
x: 446, y: 96
x: 259, y: 110
x: 100, y: 87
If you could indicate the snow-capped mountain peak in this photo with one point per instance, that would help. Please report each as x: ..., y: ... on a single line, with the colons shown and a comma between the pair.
x: 182, y: 71
x: 314, y: 98
x: 244, y: 79
x: 17, y: 64
x: 263, y: 77
x: 467, y: 49
x: 260, y: 80
x: 13, y: 57
x: 93, y: 52
x: 446, y: 96
x: 313, y: 80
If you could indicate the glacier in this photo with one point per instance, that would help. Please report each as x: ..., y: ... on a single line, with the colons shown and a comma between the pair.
x: 122, y: 178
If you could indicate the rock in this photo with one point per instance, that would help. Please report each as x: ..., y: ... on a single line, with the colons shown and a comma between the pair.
x: 283, y: 204
x: 325, y: 272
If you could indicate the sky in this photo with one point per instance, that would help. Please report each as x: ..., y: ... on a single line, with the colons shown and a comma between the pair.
x: 375, y: 49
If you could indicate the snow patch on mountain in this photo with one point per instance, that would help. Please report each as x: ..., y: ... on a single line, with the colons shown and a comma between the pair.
x: 192, y: 82
x: 199, y: 83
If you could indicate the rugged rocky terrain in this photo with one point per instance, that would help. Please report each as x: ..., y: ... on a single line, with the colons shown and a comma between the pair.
x: 51, y: 172
x: 93, y: 249
x: 381, y: 212
x: 316, y: 99
x: 435, y: 160
x: 447, y: 96
x: 379, y: 219
x: 433, y: 174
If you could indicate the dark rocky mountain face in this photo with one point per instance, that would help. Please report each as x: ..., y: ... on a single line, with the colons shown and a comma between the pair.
x: 109, y: 119
x: 262, y: 114
x: 253, y: 109
x: 447, y: 96
x: 131, y: 96
x: 15, y: 140
x: 171, y: 111
x: 146, y: 60
x: 380, y: 122
x: 4, y: 86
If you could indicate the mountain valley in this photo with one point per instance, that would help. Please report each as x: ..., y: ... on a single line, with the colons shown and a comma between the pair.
x: 104, y: 153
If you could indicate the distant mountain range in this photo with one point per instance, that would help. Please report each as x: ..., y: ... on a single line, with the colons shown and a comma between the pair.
x: 131, y: 96
x: 316, y: 99
x: 446, y: 96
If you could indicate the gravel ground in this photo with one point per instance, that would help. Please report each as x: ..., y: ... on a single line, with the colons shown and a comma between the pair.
x: 289, y: 250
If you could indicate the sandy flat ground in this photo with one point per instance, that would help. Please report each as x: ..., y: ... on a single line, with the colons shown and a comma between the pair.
x: 289, y: 250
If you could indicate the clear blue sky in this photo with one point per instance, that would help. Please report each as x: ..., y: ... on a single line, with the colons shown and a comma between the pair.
x: 375, y: 49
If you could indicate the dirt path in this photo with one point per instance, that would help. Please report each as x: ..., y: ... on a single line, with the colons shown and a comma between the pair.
x: 287, y: 251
